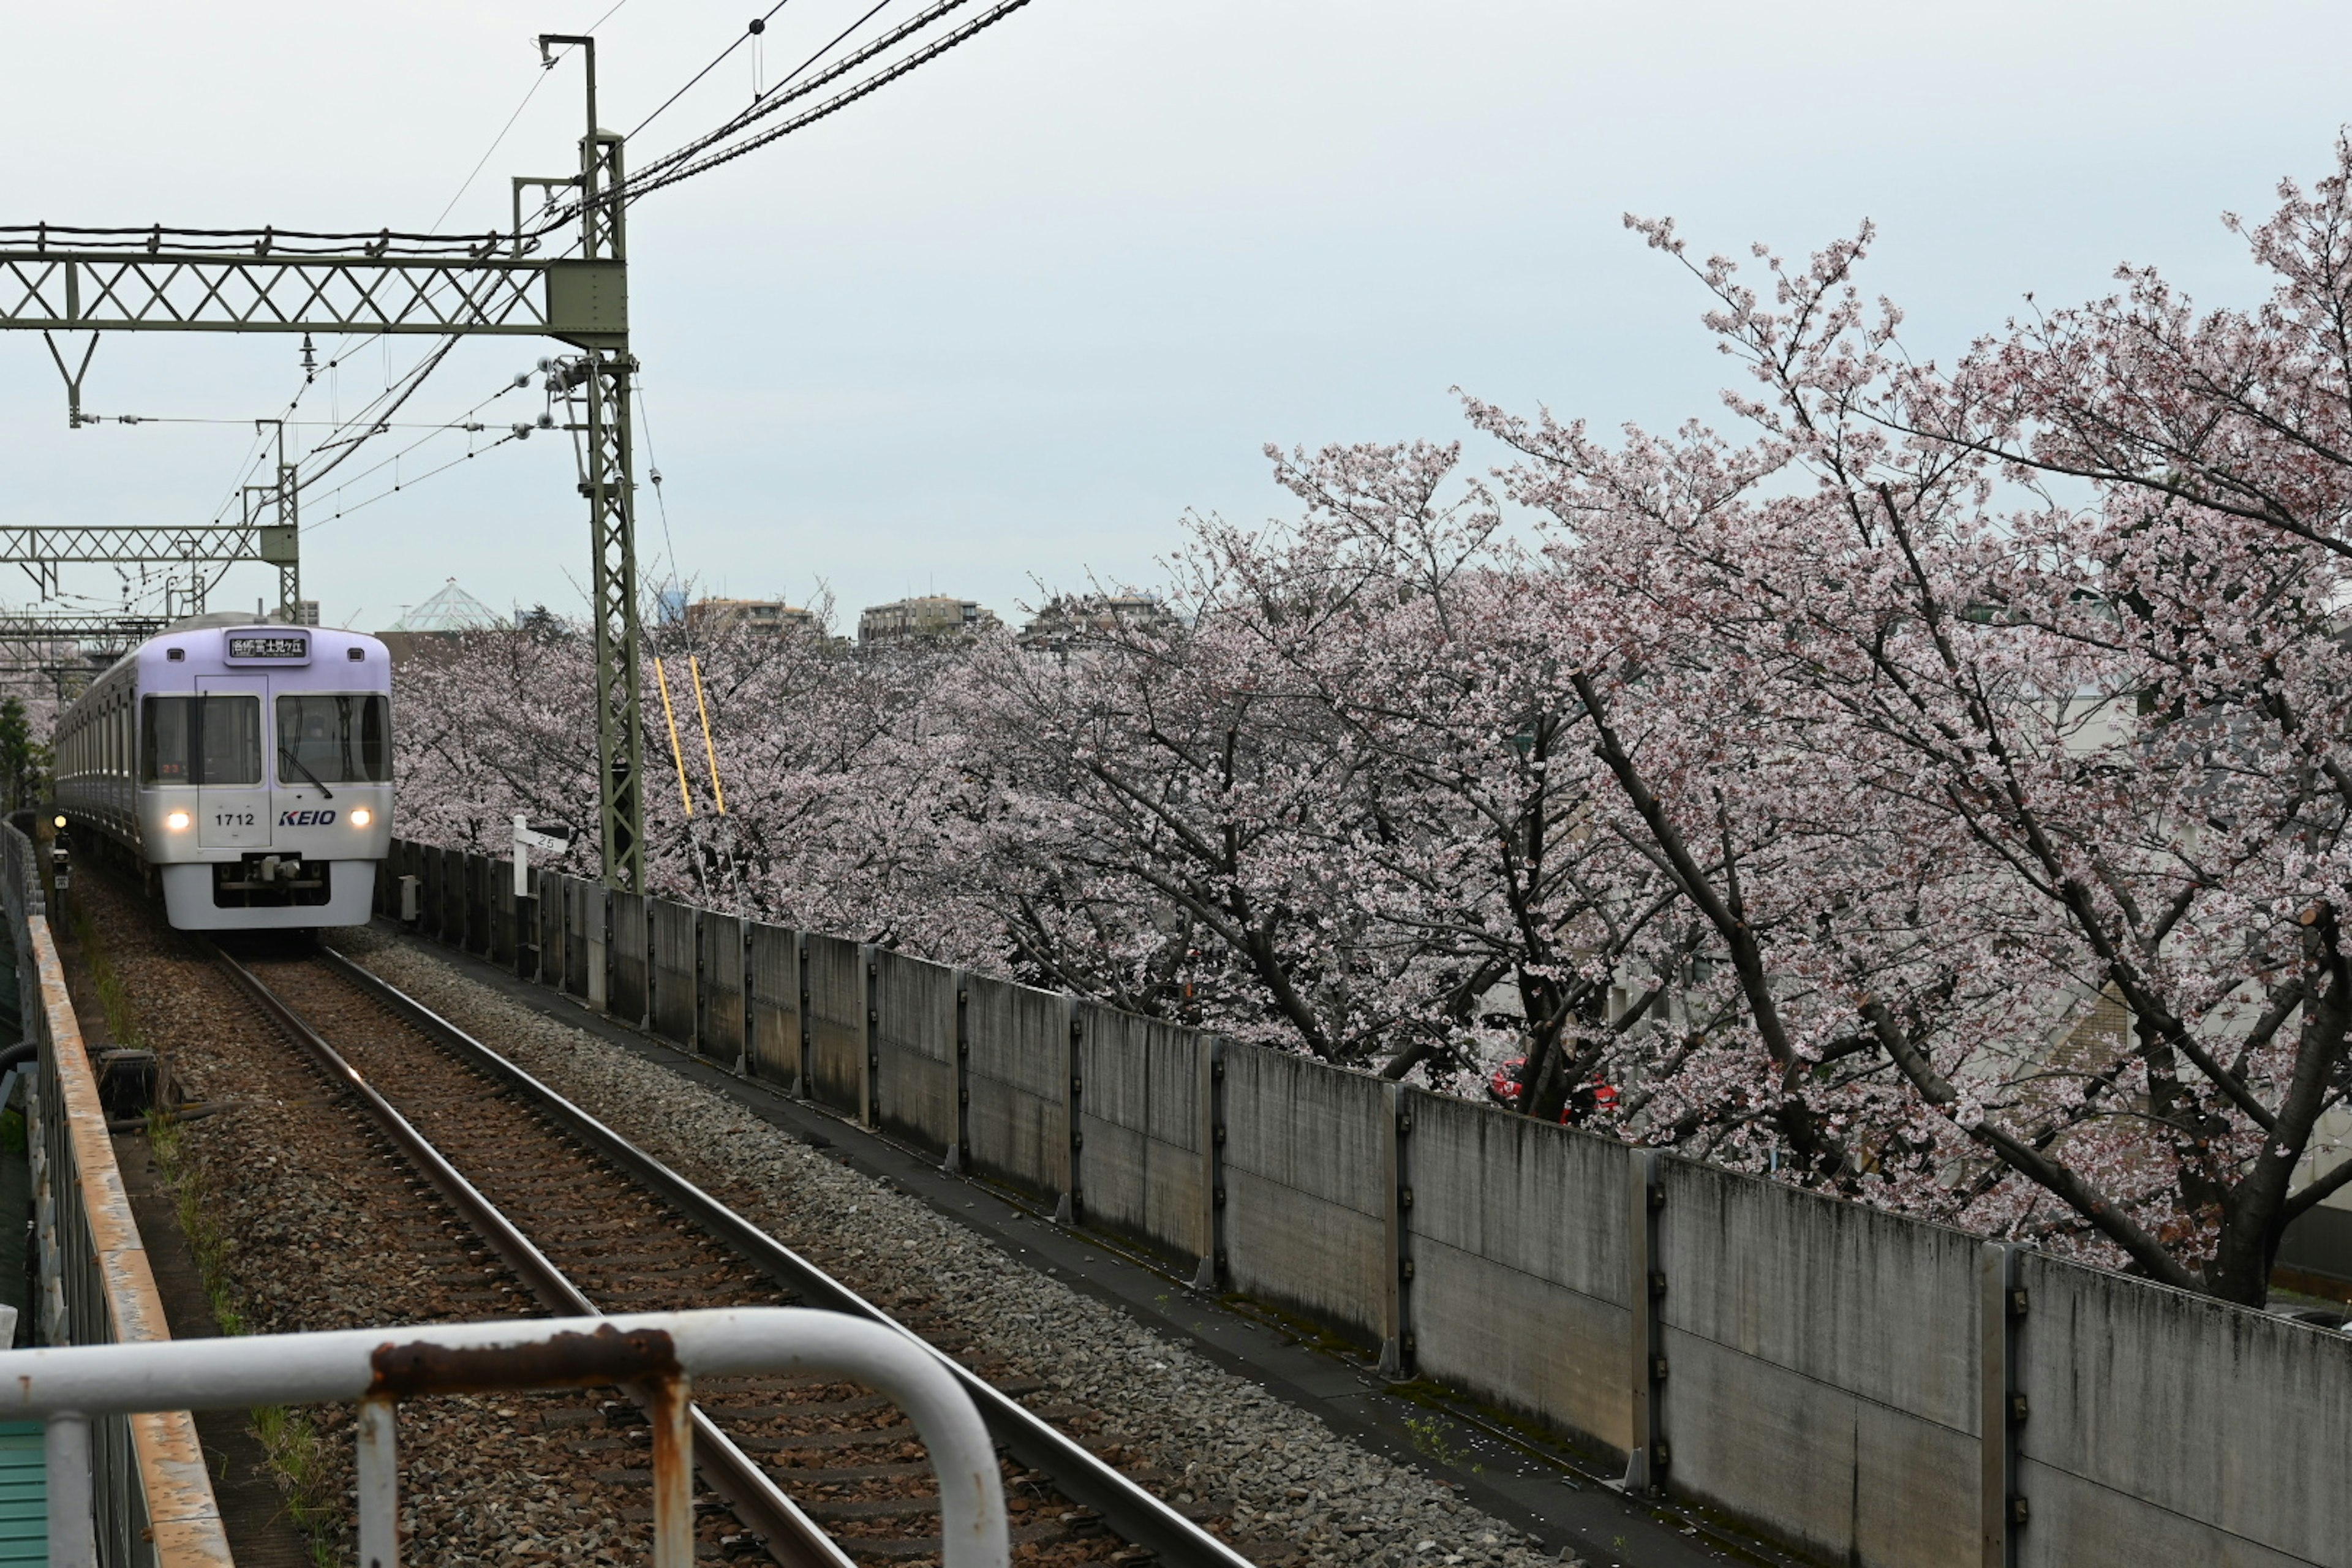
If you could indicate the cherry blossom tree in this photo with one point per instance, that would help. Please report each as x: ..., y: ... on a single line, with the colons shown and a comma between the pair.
x: 1934, y: 758
x: 1931, y: 787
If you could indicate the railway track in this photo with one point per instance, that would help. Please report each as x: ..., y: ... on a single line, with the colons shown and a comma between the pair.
x: 812, y: 1473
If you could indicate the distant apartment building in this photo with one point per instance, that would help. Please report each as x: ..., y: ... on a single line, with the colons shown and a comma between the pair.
x: 1070, y: 619
x: 754, y: 617
x: 935, y: 617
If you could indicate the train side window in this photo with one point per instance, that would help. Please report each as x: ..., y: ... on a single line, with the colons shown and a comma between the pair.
x: 334, y: 740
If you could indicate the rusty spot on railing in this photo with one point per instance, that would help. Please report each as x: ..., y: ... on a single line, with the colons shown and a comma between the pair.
x: 559, y: 1360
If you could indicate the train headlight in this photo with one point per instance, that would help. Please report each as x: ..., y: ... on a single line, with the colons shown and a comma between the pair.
x: 177, y: 822
x: 59, y: 820
x: 361, y: 816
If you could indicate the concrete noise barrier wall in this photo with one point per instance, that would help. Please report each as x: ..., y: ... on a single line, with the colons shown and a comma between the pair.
x: 629, y: 963
x: 1519, y: 1291
x: 719, y: 1022
x: 1305, y: 1215
x: 550, y: 898
x: 833, y: 990
x: 674, y: 940
x: 775, y: 1038
x: 1139, y: 1143
x: 1861, y: 1386
x: 1819, y: 1367
x: 1017, y: 1077
x: 2157, y: 1426
x: 914, y: 1007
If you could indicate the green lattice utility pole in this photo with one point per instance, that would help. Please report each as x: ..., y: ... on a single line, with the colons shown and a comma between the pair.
x: 598, y: 381
x: 60, y: 280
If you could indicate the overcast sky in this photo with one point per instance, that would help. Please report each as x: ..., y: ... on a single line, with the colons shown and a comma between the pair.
x: 1006, y: 320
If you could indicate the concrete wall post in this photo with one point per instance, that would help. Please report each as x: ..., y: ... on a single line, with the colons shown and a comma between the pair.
x: 1999, y: 1322
x: 600, y: 925
x: 1645, y: 1290
x: 1210, y: 1277
x: 804, y: 1088
x: 694, y: 1033
x: 744, y: 935
x: 869, y: 1085
x: 959, y: 1156
x: 1066, y: 1204
x: 1396, y: 1303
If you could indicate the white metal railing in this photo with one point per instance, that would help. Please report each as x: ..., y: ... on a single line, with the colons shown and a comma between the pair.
x: 656, y: 1356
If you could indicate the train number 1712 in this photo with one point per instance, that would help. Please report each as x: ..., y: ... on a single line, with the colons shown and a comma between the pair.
x: 232, y: 819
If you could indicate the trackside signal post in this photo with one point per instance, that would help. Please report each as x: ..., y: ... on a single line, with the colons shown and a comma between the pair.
x: 58, y: 279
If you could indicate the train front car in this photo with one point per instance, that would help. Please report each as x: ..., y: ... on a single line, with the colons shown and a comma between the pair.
x: 264, y: 798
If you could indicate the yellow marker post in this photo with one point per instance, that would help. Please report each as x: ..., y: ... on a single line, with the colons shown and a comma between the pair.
x: 676, y: 755
x: 709, y: 750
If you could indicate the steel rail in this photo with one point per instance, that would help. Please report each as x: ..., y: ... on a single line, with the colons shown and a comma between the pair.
x: 1132, y: 1511
x: 793, y: 1538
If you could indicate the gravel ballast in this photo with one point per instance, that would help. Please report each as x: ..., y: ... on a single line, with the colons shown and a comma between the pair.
x: 322, y: 1226
x: 1294, y: 1492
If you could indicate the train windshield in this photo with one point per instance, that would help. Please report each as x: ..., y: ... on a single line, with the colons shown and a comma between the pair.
x: 325, y: 740
x: 201, y: 741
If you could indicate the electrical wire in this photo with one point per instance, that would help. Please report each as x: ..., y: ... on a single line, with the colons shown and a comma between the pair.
x: 557, y: 215
x: 783, y: 92
x: 290, y: 424
x: 461, y: 423
x: 414, y: 379
x: 636, y: 191
x: 758, y: 25
x: 545, y: 71
x: 412, y: 484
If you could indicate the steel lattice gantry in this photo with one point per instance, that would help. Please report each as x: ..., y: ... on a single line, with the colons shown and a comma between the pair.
x: 41, y: 551
x: 86, y: 280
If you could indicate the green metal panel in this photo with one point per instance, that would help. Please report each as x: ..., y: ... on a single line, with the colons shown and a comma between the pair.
x: 588, y: 303
x: 23, y: 1494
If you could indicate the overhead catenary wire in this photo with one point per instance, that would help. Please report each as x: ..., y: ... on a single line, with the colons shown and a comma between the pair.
x: 635, y: 188
x: 758, y: 25
x: 698, y: 156
x: 465, y: 422
x: 412, y: 484
x: 776, y: 97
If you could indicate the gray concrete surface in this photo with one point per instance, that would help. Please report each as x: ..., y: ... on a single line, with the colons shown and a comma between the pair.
x: 832, y: 980
x: 1822, y: 1362
x: 2203, y: 1430
x: 1015, y: 1116
x: 1519, y: 1247
x: 675, y: 981
x: 626, y: 967
x: 915, y: 1040
x: 1305, y: 1212
x: 723, y: 990
x: 1824, y: 1382
x: 772, y: 1007
x: 1139, y: 1116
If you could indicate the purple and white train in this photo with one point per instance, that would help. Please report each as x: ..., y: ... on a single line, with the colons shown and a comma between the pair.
x: 245, y: 767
